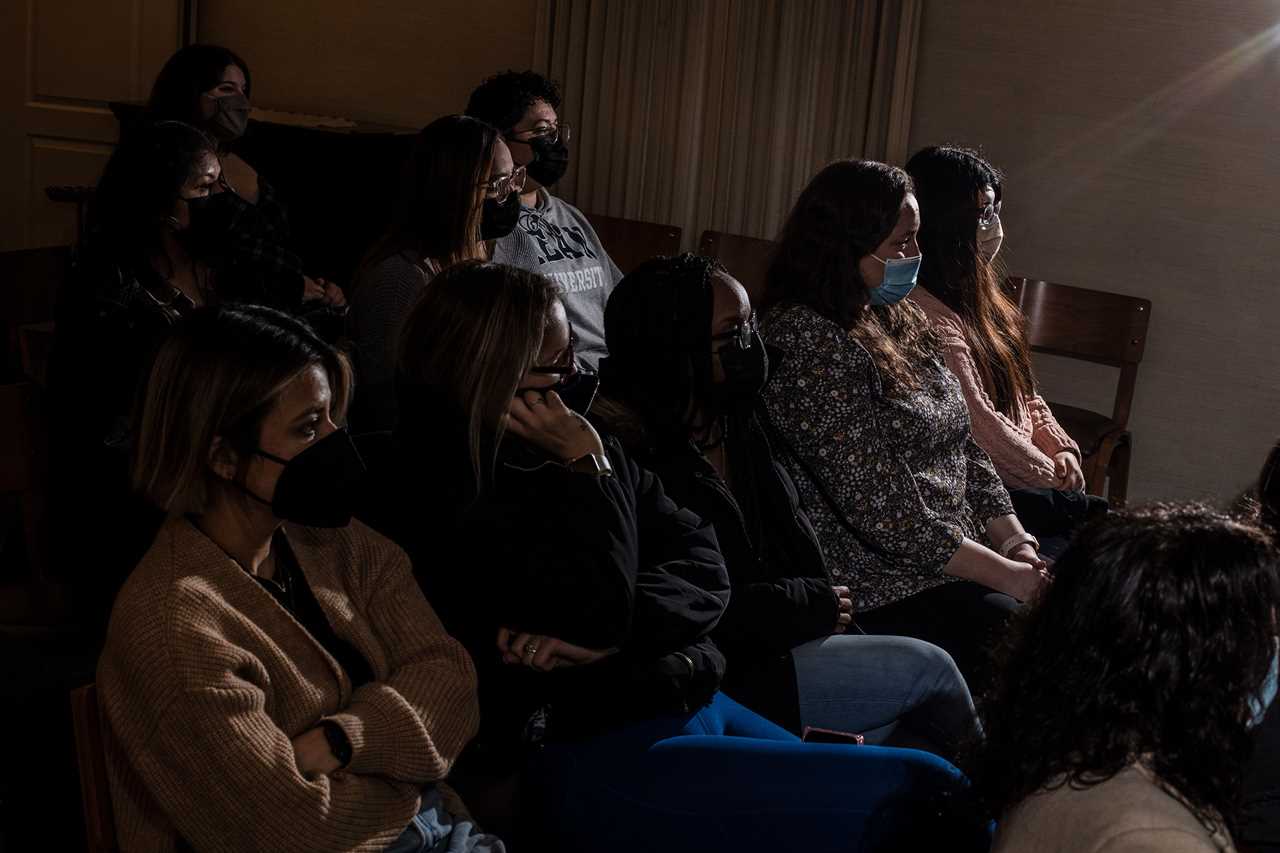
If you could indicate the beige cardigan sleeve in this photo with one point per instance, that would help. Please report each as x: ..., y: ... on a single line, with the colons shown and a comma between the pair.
x: 412, y: 722
x: 223, y: 772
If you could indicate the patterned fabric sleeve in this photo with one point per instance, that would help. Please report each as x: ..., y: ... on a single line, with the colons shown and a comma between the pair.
x: 821, y: 402
x: 987, y: 496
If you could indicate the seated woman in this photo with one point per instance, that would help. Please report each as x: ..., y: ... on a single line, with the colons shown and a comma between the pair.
x: 244, y: 222
x: 459, y: 189
x: 273, y: 678
x: 681, y: 387
x: 135, y: 275
x: 587, y: 599
x: 875, y: 430
x: 1121, y: 720
x: 984, y: 340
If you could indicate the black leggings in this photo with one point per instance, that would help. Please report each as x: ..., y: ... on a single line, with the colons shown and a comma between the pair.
x: 962, y: 617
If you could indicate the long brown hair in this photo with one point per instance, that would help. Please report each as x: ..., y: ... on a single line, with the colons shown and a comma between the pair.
x: 843, y: 215
x: 947, y: 181
x: 471, y: 337
x: 438, y: 212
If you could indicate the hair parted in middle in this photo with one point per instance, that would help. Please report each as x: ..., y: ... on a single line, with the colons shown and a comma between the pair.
x: 843, y: 215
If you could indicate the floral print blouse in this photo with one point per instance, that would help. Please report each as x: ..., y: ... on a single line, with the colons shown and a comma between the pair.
x: 907, y: 478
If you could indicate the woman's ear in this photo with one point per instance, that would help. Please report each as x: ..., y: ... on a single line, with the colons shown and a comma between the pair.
x: 222, y: 459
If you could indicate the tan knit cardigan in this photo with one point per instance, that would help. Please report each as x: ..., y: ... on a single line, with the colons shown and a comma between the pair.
x: 205, y: 679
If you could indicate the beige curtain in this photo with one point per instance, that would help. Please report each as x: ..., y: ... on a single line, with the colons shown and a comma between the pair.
x: 715, y: 113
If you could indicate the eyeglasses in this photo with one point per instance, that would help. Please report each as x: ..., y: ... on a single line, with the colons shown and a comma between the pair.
x: 988, y: 216
x: 552, y: 133
x: 567, y: 364
x: 501, y: 188
x: 743, y: 337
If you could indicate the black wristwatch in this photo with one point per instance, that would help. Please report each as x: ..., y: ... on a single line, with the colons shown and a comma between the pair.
x: 339, y: 743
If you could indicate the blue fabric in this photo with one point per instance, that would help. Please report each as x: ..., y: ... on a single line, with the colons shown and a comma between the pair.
x: 434, y: 830
x: 724, y: 778
x: 895, y: 691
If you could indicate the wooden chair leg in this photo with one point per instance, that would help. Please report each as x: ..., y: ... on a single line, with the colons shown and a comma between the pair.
x: 1094, y: 468
x: 1118, y: 474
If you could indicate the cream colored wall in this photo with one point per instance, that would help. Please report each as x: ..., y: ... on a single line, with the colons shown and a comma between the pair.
x: 1139, y: 139
x: 401, y: 62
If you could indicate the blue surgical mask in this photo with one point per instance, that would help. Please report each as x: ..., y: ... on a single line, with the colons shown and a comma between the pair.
x: 1259, y: 704
x: 899, y: 280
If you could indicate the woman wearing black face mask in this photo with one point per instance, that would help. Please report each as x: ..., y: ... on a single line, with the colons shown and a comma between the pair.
x: 243, y: 226
x: 586, y: 596
x: 681, y: 388
x: 265, y: 644
x: 459, y: 191
x: 134, y: 277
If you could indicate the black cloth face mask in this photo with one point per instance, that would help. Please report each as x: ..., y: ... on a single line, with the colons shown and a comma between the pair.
x: 230, y: 117
x: 550, y: 160
x: 577, y: 390
x: 212, y: 218
x: 499, y: 219
x: 318, y: 487
x: 745, y: 373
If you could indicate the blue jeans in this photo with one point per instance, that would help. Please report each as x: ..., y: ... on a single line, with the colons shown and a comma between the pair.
x: 895, y: 691
x: 724, y: 778
x: 434, y: 830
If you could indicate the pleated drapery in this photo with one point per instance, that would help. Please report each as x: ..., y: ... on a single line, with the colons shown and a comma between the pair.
x: 715, y: 113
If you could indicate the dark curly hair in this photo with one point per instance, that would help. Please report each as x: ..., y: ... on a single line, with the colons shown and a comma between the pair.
x: 503, y: 99
x: 1157, y: 631
x: 658, y: 330
x: 843, y: 215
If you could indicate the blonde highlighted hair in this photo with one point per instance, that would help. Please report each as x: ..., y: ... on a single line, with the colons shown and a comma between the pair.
x: 220, y: 374
x: 473, y: 334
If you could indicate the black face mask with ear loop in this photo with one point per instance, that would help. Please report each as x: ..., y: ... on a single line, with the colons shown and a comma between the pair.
x: 499, y: 220
x: 550, y: 160
x: 745, y: 373
x: 318, y: 487
x: 577, y: 391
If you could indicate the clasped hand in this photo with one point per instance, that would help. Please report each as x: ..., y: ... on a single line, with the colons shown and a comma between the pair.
x: 540, y: 652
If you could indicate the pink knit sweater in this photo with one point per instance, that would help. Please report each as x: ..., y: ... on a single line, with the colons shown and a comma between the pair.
x: 1022, y: 447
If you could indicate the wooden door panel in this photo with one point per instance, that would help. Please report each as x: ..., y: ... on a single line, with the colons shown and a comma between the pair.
x: 62, y: 62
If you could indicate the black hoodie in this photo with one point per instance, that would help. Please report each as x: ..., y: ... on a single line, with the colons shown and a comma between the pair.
x: 601, y: 563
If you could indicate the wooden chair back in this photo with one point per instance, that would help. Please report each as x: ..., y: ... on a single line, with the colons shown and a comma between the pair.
x: 99, y: 820
x: 1090, y: 325
x: 746, y: 258
x: 630, y: 242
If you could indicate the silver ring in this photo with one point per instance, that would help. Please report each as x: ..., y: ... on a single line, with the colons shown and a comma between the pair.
x: 531, y: 648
